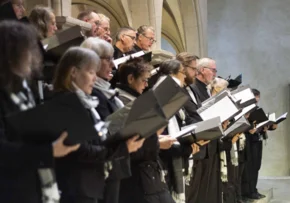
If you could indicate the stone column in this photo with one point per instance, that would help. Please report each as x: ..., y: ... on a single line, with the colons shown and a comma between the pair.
x: 61, y: 7
x: 148, y: 12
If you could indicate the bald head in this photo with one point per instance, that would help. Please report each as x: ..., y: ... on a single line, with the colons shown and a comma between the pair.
x: 93, y: 18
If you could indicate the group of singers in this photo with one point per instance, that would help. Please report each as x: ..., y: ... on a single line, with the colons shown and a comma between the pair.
x: 153, y: 170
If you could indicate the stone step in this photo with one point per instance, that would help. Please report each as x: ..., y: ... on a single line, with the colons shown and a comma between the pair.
x: 267, y: 199
x: 279, y: 201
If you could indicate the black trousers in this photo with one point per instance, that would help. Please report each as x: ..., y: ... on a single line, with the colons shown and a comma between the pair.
x: 240, y: 175
x: 257, y: 150
x: 252, y: 167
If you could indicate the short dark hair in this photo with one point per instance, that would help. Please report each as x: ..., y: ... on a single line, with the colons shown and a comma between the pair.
x: 40, y: 18
x: 186, y: 58
x: 122, y: 30
x: 85, y: 14
x: 136, y: 67
x: 170, y: 66
x: 17, y: 40
x: 256, y: 92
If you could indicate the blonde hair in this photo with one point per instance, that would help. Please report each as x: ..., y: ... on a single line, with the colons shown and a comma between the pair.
x: 218, y: 84
x: 103, y: 17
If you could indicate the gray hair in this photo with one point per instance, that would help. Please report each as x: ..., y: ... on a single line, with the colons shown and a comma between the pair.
x: 204, y: 62
x: 123, y: 30
x: 218, y: 83
x: 74, y: 57
x: 100, y: 46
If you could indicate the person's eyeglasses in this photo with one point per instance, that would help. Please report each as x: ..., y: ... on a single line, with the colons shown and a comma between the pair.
x: 132, y: 37
x: 108, y: 59
x: 212, y: 69
x: 105, y: 28
x: 150, y: 39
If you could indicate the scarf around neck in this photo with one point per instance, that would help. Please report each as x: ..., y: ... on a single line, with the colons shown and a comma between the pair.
x: 104, y: 87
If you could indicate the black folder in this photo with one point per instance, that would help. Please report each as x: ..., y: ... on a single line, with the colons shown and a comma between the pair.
x: 240, y: 126
x: 44, y: 123
x: 234, y: 83
x: 258, y: 115
x: 57, y: 44
x: 170, y: 96
x: 144, y: 117
x: 205, y: 130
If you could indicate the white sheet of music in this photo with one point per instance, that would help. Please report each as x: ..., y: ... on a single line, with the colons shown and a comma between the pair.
x: 118, y: 61
x: 245, y: 111
x: 244, y: 95
x: 225, y: 108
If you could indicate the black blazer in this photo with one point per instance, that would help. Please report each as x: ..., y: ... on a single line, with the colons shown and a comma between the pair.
x: 19, y: 180
x: 81, y: 173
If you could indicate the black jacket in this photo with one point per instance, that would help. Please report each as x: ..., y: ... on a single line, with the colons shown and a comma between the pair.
x: 19, y: 180
x: 146, y: 183
x: 81, y: 173
x: 106, y: 106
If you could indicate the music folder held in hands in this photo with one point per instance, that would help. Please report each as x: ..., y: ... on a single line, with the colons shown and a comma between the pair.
x: 204, y: 130
x: 57, y: 44
x: 170, y: 96
x: 221, y: 106
x: 246, y: 110
x: 45, y: 123
x: 239, y: 126
x: 271, y: 120
x: 146, y: 57
x: 142, y: 117
x: 258, y: 116
x: 245, y: 95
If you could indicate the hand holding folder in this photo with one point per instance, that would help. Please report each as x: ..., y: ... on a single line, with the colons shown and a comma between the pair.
x: 148, y: 113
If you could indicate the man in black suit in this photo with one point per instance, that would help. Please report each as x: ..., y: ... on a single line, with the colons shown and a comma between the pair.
x: 125, y: 40
x: 145, y: 39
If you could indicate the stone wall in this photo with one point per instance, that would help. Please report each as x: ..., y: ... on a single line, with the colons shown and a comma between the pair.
x: 253, y: 38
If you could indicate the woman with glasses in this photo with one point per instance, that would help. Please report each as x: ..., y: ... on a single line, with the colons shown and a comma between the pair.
x: 147, y: 181
x: 175, y: 157
x: 108, y: 104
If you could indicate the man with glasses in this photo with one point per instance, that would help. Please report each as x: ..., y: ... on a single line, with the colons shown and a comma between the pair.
x: 104, y: 30
x: 205, y: 183
x: 145, y: 38
x: 125, y: 40
x: 93, y: 18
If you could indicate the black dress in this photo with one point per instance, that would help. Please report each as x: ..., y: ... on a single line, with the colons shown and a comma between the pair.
x: 19, y: 180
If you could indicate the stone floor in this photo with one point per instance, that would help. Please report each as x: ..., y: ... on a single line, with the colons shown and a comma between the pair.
x: 280, y: 188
